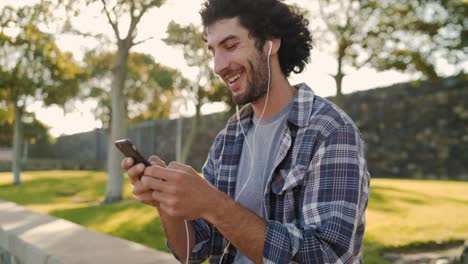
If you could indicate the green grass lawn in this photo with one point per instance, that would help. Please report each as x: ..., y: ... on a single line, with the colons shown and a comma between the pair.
x: 401, y: 213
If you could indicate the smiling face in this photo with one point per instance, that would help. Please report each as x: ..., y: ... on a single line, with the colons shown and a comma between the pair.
x: 237, y: 60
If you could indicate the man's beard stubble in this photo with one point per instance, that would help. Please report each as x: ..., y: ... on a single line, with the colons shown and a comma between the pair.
x: 257, y: 82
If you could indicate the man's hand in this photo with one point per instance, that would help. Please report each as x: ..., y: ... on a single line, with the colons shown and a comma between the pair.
x: 145, y: 189
x: 179, y: 190
x: 142, y: 192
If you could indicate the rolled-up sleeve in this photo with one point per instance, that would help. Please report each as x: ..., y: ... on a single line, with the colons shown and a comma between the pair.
x: 199, y: 251
x: 331, y: 226
x: 202, y: 236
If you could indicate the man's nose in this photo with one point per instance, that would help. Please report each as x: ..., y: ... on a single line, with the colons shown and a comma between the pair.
x: 221, y: 63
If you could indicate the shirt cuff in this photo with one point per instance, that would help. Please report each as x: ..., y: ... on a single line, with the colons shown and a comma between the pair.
x: 200, y: 250
x: 282, y: 242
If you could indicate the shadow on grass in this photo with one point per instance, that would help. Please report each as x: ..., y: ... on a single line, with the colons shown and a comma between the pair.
x: 425, y: 246
x: 411, y: 197
x: 380, y: 202
x: 373, y: 252
x: 422, y: 197
x: 386, y: 199
x: 104, y: 219
x: 46, y: 190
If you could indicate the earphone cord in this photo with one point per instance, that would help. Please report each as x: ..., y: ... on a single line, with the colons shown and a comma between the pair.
x: 252, y: 153
x: 225, y: 251
x: 188, y: 242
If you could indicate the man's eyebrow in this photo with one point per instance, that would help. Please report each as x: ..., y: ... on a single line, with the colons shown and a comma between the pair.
x: 224, y: 40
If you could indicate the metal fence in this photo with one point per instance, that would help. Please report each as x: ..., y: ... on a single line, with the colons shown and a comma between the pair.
x: 89, y: 150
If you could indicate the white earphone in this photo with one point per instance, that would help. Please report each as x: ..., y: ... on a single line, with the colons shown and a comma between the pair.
x: 271, y: 47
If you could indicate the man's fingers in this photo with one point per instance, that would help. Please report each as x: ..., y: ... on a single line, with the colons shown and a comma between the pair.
x: 147, y: 198
x: 126, y: 163
x: 135, y: 172
x: 161, y: 173
x: 178, y: 166
x: 155, y: 184
x: 155, y: 160
x: 140, y: 188
x: 159, y: 197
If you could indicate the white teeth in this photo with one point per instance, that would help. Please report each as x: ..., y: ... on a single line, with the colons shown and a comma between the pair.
x: 234, y: 78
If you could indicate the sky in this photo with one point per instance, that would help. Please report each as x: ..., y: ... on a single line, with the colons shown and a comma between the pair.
x: 79, y: 117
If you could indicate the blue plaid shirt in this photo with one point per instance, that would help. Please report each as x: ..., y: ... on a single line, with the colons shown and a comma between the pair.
x: 315, y: 199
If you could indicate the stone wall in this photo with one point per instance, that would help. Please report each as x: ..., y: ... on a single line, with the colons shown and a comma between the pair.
x: 415, y: 130
x: 28, y: 237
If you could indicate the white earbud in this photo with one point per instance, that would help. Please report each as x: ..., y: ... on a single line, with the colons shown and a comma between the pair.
x: 271, y: 47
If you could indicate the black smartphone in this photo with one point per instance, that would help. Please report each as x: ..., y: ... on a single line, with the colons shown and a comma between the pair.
x: 129, y: 150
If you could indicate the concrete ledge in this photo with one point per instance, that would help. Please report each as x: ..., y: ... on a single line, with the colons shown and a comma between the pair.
x: 31, y: 237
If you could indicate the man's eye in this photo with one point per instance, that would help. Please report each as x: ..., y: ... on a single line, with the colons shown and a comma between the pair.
x: 230, y: 47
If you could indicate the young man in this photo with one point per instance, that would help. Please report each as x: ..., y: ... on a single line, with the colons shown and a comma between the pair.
x: 286, y: 180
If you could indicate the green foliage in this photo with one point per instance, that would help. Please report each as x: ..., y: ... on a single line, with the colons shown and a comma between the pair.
x: 401, y: 213
x: 190, y: 39
x: 208, y: 87
x: 408, y: 36
x: 144, y: 77
x: 411, y: 36
x: 35, y: 132
x: 32, y: 65
x: 6, y: 114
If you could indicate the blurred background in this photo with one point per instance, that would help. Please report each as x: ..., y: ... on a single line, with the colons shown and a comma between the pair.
x: 76, y: 75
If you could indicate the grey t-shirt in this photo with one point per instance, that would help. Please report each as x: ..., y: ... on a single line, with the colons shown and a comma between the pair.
x: 258, y: 163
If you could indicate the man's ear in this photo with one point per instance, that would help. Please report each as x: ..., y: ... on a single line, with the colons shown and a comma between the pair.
x: 275, y: 46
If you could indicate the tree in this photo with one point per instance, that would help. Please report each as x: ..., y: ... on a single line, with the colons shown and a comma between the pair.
x: 415, y: 36
x: 116, y: 12
x: 347, y: 22
x: 206, y: 87
x: 409, y: 36
x: 32, y: 68
x: 148, y: 90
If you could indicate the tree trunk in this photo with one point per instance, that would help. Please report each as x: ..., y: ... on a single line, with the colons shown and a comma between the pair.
x: 179, y: 139
x: 17, y: 137
x: 422, y: 65
x: 118, y: 126
x: 193, y: 131
x: 339, y: 99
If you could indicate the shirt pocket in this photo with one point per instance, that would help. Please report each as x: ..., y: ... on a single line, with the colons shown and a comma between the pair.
x: 286, y: 191
x: 287, y: 179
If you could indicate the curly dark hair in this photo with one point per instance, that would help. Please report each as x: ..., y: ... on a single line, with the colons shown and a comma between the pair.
x: 265, y: 19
